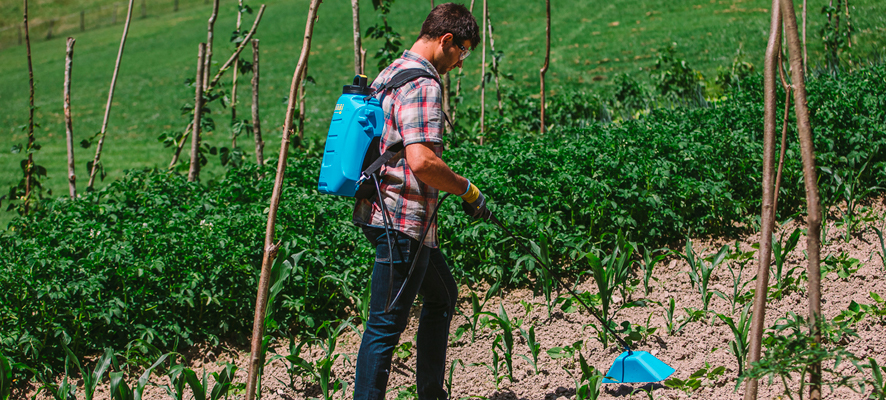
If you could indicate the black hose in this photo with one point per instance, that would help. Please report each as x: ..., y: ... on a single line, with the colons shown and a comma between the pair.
x: 572, y: 292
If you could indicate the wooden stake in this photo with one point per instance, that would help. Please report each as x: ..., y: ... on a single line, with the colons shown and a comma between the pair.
x: 358, y: 45
x: 766, y: 219
x: 501, y: 111
x: 96, y: 162
x: 483, y: 77
x: 270, y: 248
x: 301, y: 108
x: 194, y: 172
x: 207, y: 63
x: 810, y: 177
x: 69, y: 125
x: 240, y: 47
x: 256, y: 121
x: 544, y: 69
x: 180, y: 145
x: 30, y: 166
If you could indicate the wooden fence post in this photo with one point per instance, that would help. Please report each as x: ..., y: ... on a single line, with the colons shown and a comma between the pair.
x: 194, y: 171
x: 270, y: 248
x: 209, y: 33
x: 69, y: 125
x: 30, y: 166
x: 483, y: 76
x: 547, y: 61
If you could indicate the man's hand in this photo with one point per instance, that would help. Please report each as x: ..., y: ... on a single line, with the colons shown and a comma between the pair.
x: 474, y: 203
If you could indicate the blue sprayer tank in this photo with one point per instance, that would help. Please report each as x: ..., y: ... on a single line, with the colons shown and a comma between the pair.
x: 355, y: 122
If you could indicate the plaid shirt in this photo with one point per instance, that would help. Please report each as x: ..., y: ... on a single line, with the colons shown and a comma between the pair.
x: 413, y: 114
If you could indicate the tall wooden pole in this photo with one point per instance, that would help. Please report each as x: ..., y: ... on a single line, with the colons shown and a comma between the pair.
x: 30, y: 166
x: 483, y: 77
x: 773, y: 48
x: 234, y: 81
x: 101, y: 139
x: 270, y: 248
x: 810, y: 177
x: 544, y: 69
x: 194, y: 171
x: 209, y: 33
x: 69, y: 125
x: 256, y: 121
x: 501, y: 111
x: 358, y: 44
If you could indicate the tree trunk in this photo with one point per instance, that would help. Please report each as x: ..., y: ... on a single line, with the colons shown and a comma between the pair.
x: 483, y: 77
x: 766, y: 220
x: 805, y: 59
x: 69, y: 125
x: 194, y: 172
x: 209, y: 31
x: 358, y: 45
x: 256, y: 125
x: 234, y: 81
x: 30, y: 166
x: 813, y: 212
x: 544, y: 69
x: 270, y: 248
x: 96, y: 162
x: 501, y: 111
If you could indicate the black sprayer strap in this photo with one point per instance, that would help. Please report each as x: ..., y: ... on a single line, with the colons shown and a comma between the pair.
x: 381, y: 160
x: 404, y: 76
x: 572, y: 292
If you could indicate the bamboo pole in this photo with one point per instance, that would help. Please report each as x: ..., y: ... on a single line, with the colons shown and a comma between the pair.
x: 544, y: 69
x: 483, y: 76
x: 207, y: 62
x: 501, y: 112
x: 194, y: 171
x: 766, y: 219
x: 30, y: 166
x: 256, y: 124
x: 301, y: 108
x: 234, y: 81
x: 270, y: 248
x: 96, y: 162
x: 69, y: 125
x: 358, y: 45
x: 810, y: 177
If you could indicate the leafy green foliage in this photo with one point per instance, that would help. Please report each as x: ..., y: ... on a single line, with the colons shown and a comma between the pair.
x: 706, y: 375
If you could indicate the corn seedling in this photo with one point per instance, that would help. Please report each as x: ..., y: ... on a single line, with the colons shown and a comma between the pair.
x: 448, y: 381
x: 882, y: 251
x: 92, y: 378
x: 495, y: 366
x: 505, y: 340
x: 738, y: 347
x: 475, y: 321
x: 738, y: 295
x: 567, y: 351
x: 121, y: 391
x: 877, y: 381
x: 611, y: 273
x: 587, y: 386
x: 295, y: 364
x: 649, y: 262
x: 673, y: 324
x: 544, y: 278
x: 321, y: 369
x: 534, y: 347
x: 700, y: 271
x: 780, y: 250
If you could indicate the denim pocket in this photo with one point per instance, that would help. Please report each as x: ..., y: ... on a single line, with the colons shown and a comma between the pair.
x: 401, y: 251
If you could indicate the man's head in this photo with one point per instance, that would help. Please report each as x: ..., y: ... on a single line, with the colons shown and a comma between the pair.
x: 454, y: 31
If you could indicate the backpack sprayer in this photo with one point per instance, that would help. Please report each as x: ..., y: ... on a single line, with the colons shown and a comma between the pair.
x: 352, y: 156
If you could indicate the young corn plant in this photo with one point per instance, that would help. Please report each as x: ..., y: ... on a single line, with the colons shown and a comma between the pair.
x: 567, y: 351
x: 649, y: 262
x: 92, y: 378
x: 475, y: 322
x: 780, y: 250
x: 675, y: 324
x: 544, y: 278
x: 611, y: 273
x: 882, y: 251
x: 295, y: 365
x: 739, y: 295
x: 701, y: 269
x: 876, y: 381
x: 121, y: 391
x: 504, y: 340
x: 738, y: 347
x: 587, y: 385
x: 534, y: 348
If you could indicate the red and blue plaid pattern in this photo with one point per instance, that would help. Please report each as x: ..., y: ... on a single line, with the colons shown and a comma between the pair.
x: 413, y: 114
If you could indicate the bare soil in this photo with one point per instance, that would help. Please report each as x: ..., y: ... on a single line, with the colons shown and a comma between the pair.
x: 699, y: 344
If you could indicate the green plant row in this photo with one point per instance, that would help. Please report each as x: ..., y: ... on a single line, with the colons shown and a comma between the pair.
x: 156, y: 258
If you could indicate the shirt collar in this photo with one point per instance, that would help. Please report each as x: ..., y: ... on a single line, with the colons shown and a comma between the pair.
x: 413, y: 56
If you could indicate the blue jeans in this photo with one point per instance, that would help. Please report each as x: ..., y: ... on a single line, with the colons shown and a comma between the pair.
x: 434, y: 281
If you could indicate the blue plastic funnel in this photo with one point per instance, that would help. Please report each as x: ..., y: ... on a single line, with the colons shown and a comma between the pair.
x: 637, y: 366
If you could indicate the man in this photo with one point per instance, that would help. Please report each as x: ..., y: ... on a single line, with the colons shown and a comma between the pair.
x: 409, y: 185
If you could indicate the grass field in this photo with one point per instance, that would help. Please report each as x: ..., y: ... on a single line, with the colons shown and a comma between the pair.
x: 591, y: 43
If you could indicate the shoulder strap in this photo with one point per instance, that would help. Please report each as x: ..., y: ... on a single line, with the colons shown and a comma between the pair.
x: 404, y: 76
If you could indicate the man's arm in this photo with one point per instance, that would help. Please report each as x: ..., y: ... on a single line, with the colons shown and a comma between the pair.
x: 432, y: 170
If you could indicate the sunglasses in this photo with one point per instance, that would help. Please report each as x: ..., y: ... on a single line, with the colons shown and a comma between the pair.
x: 464, y: 52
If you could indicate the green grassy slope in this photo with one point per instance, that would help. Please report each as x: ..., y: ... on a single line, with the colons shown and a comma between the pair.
x: 590, y: 39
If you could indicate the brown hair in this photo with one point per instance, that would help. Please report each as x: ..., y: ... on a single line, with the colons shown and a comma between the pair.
x: 451, y: 18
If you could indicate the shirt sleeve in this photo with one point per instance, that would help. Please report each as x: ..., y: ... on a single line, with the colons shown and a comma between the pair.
x: 420, y: 115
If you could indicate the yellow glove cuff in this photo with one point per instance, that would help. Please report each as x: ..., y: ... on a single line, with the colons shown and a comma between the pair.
x: 472, y: 194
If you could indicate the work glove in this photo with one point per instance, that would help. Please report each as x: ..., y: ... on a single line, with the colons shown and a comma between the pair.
x: 474, y: 203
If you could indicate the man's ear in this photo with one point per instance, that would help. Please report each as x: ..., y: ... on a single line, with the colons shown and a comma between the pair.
x: 447, y: 37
